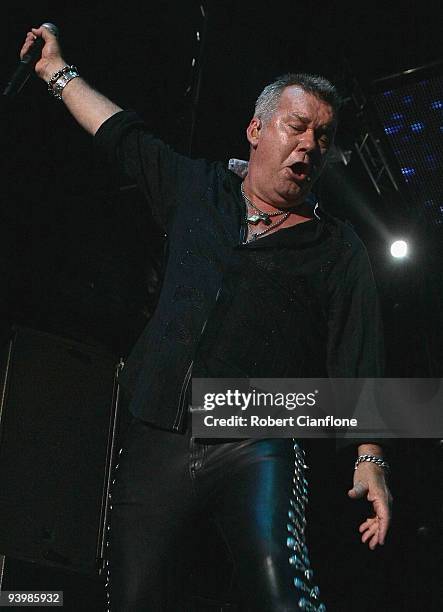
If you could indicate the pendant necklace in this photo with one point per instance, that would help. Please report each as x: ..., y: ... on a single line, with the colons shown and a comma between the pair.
x: 260, y: 215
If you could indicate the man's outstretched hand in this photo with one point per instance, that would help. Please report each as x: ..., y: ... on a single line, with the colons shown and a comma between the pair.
x: 370, y: 482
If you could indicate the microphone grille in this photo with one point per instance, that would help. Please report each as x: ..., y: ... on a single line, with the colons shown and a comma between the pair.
x: 51, y: 27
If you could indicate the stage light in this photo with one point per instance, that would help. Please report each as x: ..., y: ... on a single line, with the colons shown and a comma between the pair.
x: 408, y: 108
x: 399, y: 249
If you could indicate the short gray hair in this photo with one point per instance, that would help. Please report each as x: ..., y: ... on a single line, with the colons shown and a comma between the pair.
x: 320, y: 87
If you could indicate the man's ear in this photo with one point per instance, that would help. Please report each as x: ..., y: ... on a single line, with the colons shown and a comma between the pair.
x: 253, y: 131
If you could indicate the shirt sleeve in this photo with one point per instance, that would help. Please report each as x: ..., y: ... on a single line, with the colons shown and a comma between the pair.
x: 125, y: 144
x: 355, y: 336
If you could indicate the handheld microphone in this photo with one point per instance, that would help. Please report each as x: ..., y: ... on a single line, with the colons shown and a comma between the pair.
x: 27, y: 63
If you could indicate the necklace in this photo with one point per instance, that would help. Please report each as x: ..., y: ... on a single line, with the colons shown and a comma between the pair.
x: 262, y: 215
x: 254, y: 219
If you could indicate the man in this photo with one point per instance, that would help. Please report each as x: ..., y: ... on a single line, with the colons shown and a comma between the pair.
x: 257, y: 283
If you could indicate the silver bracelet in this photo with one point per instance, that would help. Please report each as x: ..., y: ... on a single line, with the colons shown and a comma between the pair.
x: 60, y: 79
x: 373, y: 459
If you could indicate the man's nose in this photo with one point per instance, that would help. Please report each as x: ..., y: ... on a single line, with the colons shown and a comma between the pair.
x: 307, y: 141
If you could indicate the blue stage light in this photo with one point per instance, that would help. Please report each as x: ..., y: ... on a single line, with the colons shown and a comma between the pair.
x: 410, y: 116
x: 392, y: 129
x: 408, y: 171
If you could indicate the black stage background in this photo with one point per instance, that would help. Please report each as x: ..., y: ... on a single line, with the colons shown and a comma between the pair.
x: 74, y: 241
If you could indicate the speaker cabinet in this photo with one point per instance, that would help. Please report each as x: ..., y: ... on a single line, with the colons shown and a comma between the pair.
x: 58, y: 419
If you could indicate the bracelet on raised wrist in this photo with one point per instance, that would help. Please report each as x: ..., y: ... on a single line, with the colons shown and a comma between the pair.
x: 60, y: 79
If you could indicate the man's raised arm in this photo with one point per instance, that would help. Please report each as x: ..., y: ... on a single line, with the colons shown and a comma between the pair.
x: 87, y: 106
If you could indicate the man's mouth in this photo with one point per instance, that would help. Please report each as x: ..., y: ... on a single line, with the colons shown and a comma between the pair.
x: 300, y: 170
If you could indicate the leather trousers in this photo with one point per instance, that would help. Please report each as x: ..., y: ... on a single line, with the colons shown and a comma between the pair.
x: 253, y: 491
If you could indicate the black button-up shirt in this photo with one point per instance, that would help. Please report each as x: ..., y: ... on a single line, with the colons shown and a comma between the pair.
x: 300, y: 302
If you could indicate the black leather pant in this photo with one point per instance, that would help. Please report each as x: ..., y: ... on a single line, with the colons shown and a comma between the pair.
x: 254, y: 491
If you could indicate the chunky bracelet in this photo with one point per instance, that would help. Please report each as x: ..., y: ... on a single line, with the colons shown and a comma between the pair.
x: 373, y: 459
x: 60, y: 79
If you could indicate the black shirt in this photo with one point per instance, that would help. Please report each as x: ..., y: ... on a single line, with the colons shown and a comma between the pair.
x: 300, y: 302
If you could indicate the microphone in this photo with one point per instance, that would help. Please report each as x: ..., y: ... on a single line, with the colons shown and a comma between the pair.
x: 27, y: 63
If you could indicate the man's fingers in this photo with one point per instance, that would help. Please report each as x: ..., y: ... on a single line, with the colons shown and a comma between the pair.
x: 369, y: 533
x: 375, y: 526
x: 41, y: 32
x: 374, y: 541
x: 358, y: 490
x: 382, y: 510
x: 369, y: 528
x: 30, y: 37
x: 367, y: 524
x: 44, y: 32
x: 384, y: 526
x: 371, y: 536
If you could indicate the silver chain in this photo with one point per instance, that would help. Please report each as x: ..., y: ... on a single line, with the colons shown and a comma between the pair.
x: 265, y: 231
x: 262, y: 212
x: 263, y: 216
x: 373, y: 459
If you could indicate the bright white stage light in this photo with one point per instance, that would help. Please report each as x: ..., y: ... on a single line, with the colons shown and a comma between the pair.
x: 399, y: 249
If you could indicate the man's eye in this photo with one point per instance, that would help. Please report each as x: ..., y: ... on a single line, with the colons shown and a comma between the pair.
x: 298, y: 128
x: 325, y: 140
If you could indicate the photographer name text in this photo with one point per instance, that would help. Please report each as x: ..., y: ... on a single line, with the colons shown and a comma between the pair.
x: 302, y: 420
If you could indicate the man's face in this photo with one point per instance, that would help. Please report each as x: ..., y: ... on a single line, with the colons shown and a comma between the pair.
x: 288, y: 151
